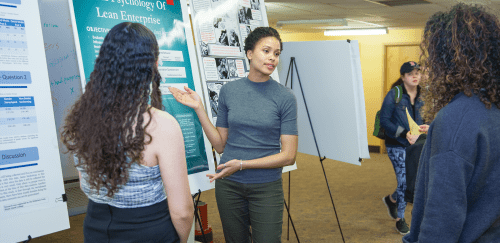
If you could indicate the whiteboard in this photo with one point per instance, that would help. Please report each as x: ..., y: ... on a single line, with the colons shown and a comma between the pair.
x: 330, y: 74
x: 64, y: 76
x: 31, y: 182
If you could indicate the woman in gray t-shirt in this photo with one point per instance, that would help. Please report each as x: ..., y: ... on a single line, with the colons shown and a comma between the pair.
x: 257, y: 131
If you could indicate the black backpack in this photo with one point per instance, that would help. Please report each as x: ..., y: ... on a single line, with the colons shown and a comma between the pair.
x: 379, y: 131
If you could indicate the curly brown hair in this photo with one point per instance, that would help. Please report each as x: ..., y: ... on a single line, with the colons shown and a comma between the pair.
x: 99, y: 128
x: 461, y: 53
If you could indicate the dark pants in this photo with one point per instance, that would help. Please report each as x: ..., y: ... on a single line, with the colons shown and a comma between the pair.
x: 104, y: 223
x: 259, y: 205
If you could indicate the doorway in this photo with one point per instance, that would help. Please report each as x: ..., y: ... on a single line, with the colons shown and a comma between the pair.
x: 395, y: 56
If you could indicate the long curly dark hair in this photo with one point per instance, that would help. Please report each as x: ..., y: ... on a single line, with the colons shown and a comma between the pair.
x: 99, y: 129
x: 461, y: 53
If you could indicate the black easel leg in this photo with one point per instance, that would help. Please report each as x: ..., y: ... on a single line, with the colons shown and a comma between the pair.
x: 28, y: 240
x: 290, y: 218
x: 331, y: 198
x: 293, y: 64
x: 289, y: 203
x: 197, y: 216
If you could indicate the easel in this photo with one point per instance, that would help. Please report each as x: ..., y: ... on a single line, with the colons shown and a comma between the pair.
x: 28, y: 240
x: 196, y: 215
x: 293, y: 64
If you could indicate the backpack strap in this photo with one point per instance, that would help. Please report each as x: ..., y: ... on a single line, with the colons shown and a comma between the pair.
x: 399, y: 93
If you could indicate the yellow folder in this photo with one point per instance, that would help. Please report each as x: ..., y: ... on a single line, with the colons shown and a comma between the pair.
x: 413, y: 125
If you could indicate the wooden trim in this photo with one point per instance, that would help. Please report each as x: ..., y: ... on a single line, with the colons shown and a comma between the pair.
x: 72, y: 181
x: 373, y: 149
x: 404, y: 44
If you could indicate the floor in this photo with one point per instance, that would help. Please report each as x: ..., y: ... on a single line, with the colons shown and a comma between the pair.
x: 357, y: 192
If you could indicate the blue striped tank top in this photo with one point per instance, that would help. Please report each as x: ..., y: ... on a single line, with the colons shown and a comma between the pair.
x: 143, y: 188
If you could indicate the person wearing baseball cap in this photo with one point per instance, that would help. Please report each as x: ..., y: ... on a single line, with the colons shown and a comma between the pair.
x: 394, y: 120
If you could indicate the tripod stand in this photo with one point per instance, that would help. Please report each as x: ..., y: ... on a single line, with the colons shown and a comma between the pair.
x: 293, y: 65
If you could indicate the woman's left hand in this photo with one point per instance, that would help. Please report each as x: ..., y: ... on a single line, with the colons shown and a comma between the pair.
x: 227, y: 169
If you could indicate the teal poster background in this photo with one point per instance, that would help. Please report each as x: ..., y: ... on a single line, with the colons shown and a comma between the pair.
x: 94, y: 18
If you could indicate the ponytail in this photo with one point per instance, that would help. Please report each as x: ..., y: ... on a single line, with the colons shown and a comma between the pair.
x: 398, y: 82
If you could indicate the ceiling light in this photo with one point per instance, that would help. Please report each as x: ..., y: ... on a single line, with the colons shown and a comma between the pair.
x: 331, y: 22
x: 381, y: 31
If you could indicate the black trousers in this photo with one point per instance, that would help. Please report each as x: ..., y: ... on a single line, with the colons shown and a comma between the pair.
x: 105, y: 223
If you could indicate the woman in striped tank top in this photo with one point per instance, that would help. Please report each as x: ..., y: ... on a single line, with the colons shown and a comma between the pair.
x: 130, y: 153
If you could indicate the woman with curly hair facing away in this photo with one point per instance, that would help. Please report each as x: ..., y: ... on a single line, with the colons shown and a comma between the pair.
x: 129, y: 153
x: 457, y: 194
x: 256, y: 118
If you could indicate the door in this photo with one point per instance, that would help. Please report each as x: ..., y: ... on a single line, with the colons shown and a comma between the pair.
x: 395, y: 56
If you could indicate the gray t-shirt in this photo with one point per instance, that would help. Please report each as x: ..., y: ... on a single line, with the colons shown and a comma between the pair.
x: 256, y: 115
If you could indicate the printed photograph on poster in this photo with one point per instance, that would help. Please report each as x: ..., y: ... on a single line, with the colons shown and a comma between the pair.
x: 213, y: 92
x: 219, y: 23
x: 245, y: 15
x: 247, y: 67
x: 255, y: 4
x: 233, y: 71
x: 222, y: 69
x: 221, y: 35
x: 204, y: 49
x: 233, y: 38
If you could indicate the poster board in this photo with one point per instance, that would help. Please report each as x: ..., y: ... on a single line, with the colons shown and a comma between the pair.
x: 220, y: 29
x: 62, y: 65
x: 91, y: 20
x: 31, y: 181
x: 333, y: 89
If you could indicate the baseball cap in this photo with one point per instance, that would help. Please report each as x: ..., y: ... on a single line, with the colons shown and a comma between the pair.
x: 407, y: 67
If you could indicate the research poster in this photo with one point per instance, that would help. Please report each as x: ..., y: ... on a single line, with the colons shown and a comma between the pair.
x: 220, y: 29
x: 32, y: 200
x: 169, y: 21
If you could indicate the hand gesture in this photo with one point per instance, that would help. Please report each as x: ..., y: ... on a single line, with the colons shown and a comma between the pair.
x: 227, y: 169
x: 412, y: 138
x: 188, y: 98
x: 423, y: 128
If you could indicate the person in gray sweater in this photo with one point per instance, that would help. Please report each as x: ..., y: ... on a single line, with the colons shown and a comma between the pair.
x: 257, y: 131
x: 457, y: 194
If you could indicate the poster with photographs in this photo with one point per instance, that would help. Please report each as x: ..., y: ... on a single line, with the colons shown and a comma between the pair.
x: 221, y: 26
x: 213, y: 94
x: 224, y: 69
x: 220, y: 29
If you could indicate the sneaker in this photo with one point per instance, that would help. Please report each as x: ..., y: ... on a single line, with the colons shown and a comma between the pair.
x: 392, y: 208
x: 402, y: 227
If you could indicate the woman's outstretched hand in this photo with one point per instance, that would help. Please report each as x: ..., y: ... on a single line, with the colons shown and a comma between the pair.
x: 226, y: 170
x: 188, y: 98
